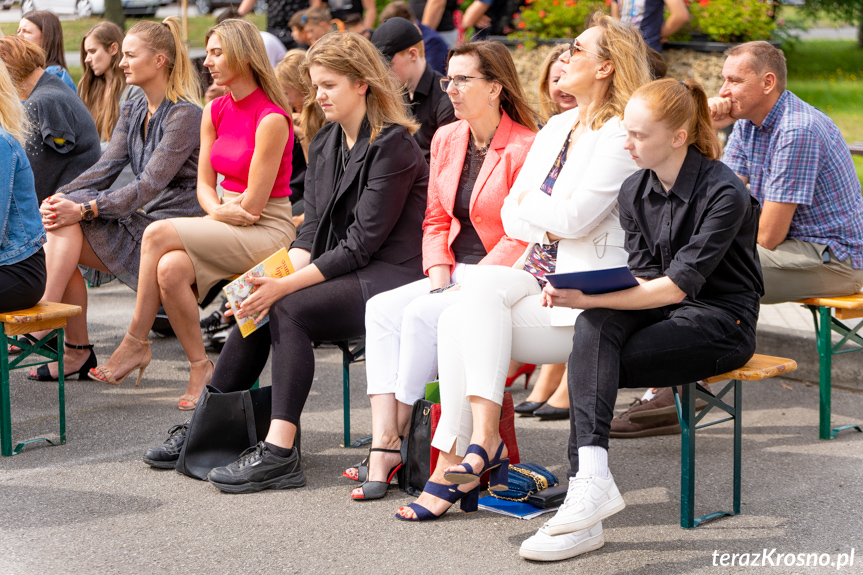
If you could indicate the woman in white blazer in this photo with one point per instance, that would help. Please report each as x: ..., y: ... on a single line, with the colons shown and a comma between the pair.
x: 564, y: 205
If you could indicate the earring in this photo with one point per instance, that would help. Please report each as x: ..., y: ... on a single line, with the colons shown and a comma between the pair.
x: 489, y: 101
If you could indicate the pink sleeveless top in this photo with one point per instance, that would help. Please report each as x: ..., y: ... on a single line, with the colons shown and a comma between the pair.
x: 236, y: 123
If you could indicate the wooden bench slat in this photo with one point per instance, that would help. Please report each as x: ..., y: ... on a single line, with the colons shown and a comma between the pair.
x: 42, y: 311
x: 757, y: 368
x: 854, y: 302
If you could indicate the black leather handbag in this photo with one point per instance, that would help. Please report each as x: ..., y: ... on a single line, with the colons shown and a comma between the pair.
x: 222, y: 427
x: 526, y: 479
x: 416, y: 448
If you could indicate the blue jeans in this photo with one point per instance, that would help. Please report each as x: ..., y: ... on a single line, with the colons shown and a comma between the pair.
x: 659, y: 347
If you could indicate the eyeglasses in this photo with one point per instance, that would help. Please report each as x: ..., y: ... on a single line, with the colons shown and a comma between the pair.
x: 457, y: 81
x: 577, y: 47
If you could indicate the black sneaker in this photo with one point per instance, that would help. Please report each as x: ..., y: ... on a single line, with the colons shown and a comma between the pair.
x: 214, y: 323
x: 258, y: 469
x: 165, y: 456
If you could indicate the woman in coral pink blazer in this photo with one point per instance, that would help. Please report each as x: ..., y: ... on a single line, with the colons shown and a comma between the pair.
x: 474, y: 162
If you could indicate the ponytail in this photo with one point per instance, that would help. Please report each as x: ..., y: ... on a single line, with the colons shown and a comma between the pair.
x: 683, y: 104
x: 703, y: 135
x: 166, y: 39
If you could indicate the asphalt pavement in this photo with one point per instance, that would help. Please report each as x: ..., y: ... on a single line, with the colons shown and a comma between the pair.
x: 93, y: 506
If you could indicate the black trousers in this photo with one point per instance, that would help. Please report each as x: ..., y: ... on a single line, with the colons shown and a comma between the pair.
x: 22, y: 284
x: 329, y: 311
x: 660, y: 347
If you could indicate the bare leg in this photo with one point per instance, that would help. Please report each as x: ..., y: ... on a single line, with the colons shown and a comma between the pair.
x: 282, y: 433
x: 176, y: 275
x: 65, y: 249
x: 385, y: 435
x: 486, y: 432
x: 560, y: 397
x: 435, y: 504
x: 548, y: 381
x: 159, y: 239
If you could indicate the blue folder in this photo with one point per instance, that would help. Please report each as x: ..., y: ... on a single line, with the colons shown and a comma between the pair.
x: 594, y: 281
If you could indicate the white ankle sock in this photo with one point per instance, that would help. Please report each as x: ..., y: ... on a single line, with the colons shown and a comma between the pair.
x: 648, y: 395
x: 593, y: 460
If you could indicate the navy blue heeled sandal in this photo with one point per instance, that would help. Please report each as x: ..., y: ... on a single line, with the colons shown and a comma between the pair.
x: 449, y: 493
x: 498, y: 469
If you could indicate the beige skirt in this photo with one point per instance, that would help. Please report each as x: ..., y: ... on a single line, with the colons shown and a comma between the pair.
x: 220, y: 251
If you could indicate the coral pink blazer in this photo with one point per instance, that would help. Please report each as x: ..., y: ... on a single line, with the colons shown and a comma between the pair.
x: 502, y: 164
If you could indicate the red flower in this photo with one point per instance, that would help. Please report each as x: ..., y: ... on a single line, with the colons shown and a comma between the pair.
x: 521, y: 25
x: 703, y: 2
x: 542, y: 13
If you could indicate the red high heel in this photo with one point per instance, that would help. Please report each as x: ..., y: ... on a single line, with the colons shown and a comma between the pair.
x: 526, y: 369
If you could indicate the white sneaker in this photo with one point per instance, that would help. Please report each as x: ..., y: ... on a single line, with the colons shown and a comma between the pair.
x: 589, y: 500
x: 546, y: 547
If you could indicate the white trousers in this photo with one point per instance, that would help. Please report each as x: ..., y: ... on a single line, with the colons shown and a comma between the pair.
x: 497, y: 318
x: 401, y: 336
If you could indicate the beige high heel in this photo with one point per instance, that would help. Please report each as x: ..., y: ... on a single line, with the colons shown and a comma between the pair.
x: 103, y: 374
x: 187, y: 401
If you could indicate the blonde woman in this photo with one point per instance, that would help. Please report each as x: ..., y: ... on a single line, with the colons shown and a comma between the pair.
x: 564, y: 205
x: 93, y: 225
x: 552, y: 100
x: 103, y: 87
x: 22, y: 259
x: 245, y: 136
x: 307, y: 121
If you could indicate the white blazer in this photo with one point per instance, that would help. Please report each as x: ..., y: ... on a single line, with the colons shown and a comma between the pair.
x: 582, y: 208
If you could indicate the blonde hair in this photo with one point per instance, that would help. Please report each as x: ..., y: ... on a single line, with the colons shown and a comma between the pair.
x: 244, y: 51
x: 355, y: 57
x: 495, y: 64
x: 289, y: 72
x: 13, y: 118
x: 682, y: 105
x: 623, y: 46
x: 166, y: 38
x: 91, y: 88
x: 547, y: 106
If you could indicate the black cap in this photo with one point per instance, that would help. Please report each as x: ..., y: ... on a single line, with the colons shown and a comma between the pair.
x: 395, y: 35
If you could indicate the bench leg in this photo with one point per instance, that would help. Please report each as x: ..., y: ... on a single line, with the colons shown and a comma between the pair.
x: 61, y: 379
x: 5, y: 409
x: 825, y: 366
x: 688, y: 426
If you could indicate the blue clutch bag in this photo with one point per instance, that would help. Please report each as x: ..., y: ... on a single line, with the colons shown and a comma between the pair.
x: 525, y: 479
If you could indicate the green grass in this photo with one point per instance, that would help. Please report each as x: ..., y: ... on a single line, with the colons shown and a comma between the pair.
x: 829, y: 75
x: 74, y: 30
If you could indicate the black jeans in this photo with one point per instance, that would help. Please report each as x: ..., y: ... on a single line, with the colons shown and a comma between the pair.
x: 22, y: 284
x: 660, y: 347
x: 333, y: 310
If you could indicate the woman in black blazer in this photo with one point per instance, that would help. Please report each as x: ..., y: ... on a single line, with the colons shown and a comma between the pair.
x: 365, y: 199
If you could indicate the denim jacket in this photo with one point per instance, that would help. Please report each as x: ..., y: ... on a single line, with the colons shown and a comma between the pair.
x: 21, y: 230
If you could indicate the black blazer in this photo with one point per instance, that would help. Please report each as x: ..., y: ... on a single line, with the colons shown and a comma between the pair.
x: 372, y: 223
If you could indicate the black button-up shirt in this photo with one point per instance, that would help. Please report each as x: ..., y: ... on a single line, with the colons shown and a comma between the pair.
x: 701, y: 233
x: 431, y: 107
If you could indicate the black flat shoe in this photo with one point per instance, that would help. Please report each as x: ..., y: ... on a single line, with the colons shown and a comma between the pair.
x: 527, y: 408
x: 44, y: 374
x: 547, y: 412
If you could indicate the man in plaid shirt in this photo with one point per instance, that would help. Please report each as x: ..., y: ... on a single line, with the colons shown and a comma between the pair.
x: 798, y: 167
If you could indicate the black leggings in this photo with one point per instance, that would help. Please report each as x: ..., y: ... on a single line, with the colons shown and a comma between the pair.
x: 330, y: 311
x: 22, y: 284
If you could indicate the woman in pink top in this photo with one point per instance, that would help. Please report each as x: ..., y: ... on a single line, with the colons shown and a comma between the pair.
x: 247, y: 137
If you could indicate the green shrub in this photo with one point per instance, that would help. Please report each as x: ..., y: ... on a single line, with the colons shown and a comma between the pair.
x: 545, y: 19
x: 732, y: 20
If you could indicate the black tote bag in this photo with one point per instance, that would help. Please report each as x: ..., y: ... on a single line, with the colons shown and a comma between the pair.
x: 222, y: 427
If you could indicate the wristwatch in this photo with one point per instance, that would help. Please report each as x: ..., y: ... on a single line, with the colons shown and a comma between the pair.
x: 87, y: 213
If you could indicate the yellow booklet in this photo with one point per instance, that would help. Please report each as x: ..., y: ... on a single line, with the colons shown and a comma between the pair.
x: 277, y: 265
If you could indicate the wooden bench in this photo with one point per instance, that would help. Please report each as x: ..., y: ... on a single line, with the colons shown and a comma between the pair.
x: 856, y: 148
x: 758, y: 368
x: 826, y: 323
x: 42, y: 316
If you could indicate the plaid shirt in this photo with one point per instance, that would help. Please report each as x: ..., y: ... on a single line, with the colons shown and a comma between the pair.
x: 798, y: 156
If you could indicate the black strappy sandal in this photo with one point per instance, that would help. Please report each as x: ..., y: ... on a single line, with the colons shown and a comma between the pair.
x: 377, y: 489
x: 44, y: 374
